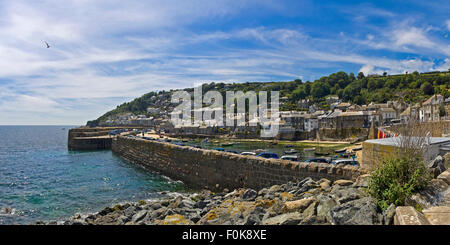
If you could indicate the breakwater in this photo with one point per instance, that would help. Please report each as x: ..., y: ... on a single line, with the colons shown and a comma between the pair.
x: 215, y: 170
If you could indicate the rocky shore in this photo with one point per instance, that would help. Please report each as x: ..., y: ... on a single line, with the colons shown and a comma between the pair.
x: 307, y: 202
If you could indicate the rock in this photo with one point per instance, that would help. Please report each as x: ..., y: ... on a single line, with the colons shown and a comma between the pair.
x: 346, y: 194
x: 305, y: 185
x: 437, y: 166
x: 409, y: 216
x: 175, y: 219
x: 438, y: 215
x: 298, y: 205
x: 343, y: 182
x: 252, y: 219
x: 325, y: 185
x: 357, y: 212
x: 186, y: 203
x: 429, y: 196
x: 156, y: 206
x: 362, y: 181
x: 139, y: 216
x: 274, y: 189
x: 105, y: 211
x: 310, y: 210
x: 176, y: 202
x: 388, y: 215
x: 445, y: 176
x: 324, y: 208
x: 284, y: 219
x: 249, y: 195
x: 201, y: 204
x: 285, y: 196
x: 130, y: 211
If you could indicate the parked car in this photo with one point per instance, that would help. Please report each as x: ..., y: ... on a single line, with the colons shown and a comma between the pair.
x: 268, y: 155
x: 319, y: 160
x: 290, y: 158
x: 248, y: 153
x: 347, y: 161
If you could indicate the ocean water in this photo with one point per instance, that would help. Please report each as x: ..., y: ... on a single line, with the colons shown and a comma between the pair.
x: 41, y: 180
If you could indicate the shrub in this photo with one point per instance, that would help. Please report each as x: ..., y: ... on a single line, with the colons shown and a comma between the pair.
x: 396, y: 179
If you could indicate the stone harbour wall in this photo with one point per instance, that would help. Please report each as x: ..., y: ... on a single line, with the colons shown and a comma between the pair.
x: 215, y: 170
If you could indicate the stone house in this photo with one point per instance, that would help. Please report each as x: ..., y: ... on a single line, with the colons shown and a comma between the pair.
x: 430, y: 108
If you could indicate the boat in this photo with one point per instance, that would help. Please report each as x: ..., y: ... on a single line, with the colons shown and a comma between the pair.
x: 259, y: 150
x: 184, y: 140
x: 348, y: 154
x: 340, y: 151
x: 291, y: 151
x: 357, y: 149
x: 288, y: 146
x: 322, y: 153
x: 309, y: 149
x: 227, y: 144
x: 290, y: 158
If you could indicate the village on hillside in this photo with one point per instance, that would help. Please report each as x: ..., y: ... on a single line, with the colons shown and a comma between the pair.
x: 343, y: 121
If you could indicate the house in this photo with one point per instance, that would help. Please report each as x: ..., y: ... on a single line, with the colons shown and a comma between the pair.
x: 311, y: 123
x: 387, y: 114
x: 431, y: 108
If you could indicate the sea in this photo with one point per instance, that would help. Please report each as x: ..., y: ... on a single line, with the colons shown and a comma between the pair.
x: 40, y: 179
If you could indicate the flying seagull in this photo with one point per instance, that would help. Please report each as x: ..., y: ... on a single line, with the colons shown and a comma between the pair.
x: 48, y: 46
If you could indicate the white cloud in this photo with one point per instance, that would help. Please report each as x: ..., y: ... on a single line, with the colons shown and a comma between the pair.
x: 106, y: 52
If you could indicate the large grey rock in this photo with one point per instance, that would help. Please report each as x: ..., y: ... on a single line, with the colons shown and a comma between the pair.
x: 284, y: 219
x: 324, y: 209
x: 431, y: 195
x: 437, y: 166
x: 139, y: 216
x: 388, y: 215
x: 409, y: 216
x: 358, y: 212
x: 249, y: 195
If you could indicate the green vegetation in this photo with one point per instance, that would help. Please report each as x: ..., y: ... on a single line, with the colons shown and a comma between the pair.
x: 396, y: 179
x: 360, y: 90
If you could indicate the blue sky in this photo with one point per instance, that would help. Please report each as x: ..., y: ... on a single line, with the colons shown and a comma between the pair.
x: 107, y: 52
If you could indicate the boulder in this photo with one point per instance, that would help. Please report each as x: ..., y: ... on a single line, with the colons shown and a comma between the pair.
x: 438, y: 215
x: 430, y: 196
x: 445, y: 176
x: 139, y: 216
x: 284, y: 219
x: 388, y: 215
x: 407, y: 215
x: 343, y: 182
x: 298, y: 205
x: 324, y: 209
x: 437, y: 166
x: 249, y: 195
x: 362, y: 181
x: 357, y: 212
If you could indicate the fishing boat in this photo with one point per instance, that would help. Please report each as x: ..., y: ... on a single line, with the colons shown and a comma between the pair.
x: 309, y: 149
x: 259, y: 151
x: 288, y: 146
x: 357, y: 149
x: 322, y: 153
x: 340, y: 151
x: 184, y: 140
x: 291, y: 151
x: 227, y: 144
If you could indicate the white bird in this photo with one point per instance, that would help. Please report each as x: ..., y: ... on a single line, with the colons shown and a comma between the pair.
x: 48, y: 46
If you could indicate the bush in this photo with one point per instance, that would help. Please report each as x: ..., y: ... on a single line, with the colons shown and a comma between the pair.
x: 396, y: 179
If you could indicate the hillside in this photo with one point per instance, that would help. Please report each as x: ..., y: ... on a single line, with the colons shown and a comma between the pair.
x: 360, y: 90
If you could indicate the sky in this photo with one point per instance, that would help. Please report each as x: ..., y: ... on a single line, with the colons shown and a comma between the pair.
x: 107, y: 52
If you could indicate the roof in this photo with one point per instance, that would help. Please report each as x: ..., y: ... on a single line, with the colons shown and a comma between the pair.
x: 406, y: 111
x: 433, y: 99
x: 395, y: 141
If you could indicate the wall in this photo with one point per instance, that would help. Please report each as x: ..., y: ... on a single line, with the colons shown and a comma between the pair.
x: 216, y: 170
